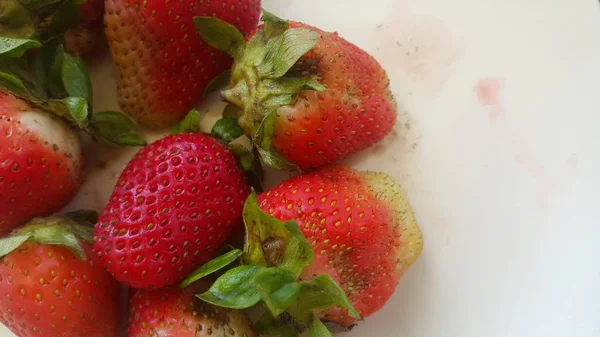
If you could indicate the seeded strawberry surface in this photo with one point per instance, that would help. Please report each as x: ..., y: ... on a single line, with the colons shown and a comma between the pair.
x: 163, y: 66
x: 174, y: 205
x: 361, y: 228
x: 40, y: 163
x: 179, y: 313
x: 356, y: 111
x: 48, y: 291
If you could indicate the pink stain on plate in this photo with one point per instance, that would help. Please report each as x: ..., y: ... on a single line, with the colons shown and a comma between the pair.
x: 489, y: 94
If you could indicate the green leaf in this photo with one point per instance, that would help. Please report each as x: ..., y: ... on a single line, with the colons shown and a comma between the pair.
x: 318, y: 329
x: 271, y: 242
x: 221, y: 35
x: 47, y: 67
x: 275, y: 160
x: 64, y: 17
x: 230, y: 111
x: 16, y: 20
x: 269, y: 325
x: 36, y: 5
x: 10, y: 243
x: 283, y: 91
x: 281, y: 57
x: 320, y: 294
x: 227, y: 130
x: 11, y: 83
x: 78, y: 109
x: 222, y: 80
x: 50, y: 231
x: 212, y: 266
x: 190, y: 124
x: 235, y: 289
x: 13, y: 47
x: 75, y: 77
x: 278, y: 289
x: 266, y: 129
x: 270, y: 17
x: 116, y: 128
x: 249, y: 162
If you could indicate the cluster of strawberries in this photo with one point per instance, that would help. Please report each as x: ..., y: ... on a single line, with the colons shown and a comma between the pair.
x: 188, y: 228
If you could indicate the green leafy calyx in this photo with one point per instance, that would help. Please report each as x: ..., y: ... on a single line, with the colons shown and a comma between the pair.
x: 261, y: 81
x: 60, y: 230
x: 274, y: 255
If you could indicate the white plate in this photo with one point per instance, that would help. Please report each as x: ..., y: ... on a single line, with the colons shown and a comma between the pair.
x: 504, y: 185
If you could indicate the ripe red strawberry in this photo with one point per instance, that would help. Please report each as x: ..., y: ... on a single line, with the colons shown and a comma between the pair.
x: 179, y: 313
x: 40, y: 163
x: 163, y: 66
x: 174, y: 205
x: 87, y: 37
x: 48, y: 289
x: 361, y: 227
x: 326, y: 97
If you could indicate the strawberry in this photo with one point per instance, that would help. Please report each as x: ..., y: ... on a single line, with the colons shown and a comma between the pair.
x: 306, y: 97
x: 51, y: 286
x: 40, y: 163
x: 163, y: 67
x: 174, y: 312
x: 361, y: 227
x: 174, y: 205
x: 87, y: 37
x: 328, y: 245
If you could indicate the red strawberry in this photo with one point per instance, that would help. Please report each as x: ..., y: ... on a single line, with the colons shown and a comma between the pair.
x: 179, y: 313
x: 163, y: 66
x: 361, y: 227
x: 326, y: 97
x: 48, y: 289
x: 40, y: 163
x: 174, y: 205
x: 87, y: 37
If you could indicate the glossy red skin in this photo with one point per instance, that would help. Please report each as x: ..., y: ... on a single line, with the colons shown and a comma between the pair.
x: 174, y: 205
x: 355, y: 111
x: 178, y: 313
x: 47, y: 291
x: 163, y: 65
x: 359, y: 254
x: 36, y: 178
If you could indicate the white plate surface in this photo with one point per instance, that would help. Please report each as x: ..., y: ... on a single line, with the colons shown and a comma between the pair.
x: 497, y: 149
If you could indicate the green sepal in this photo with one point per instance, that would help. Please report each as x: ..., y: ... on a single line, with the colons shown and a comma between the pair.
x: 270, y: 242
x: 15, y: 47
x: 284, y: 51
x: 273, y: 326
x: 211, y: 267
x: 11, y: 83
x: 222, y: 80
x: 64, y: 17
x: 277, y: 288
x: 221, y: 35
x: 190, y: 124
x: 317, y: 328
x: 270, y: 17
x: 75, y: 78
x: 77, y: 107
x: 249, y: 162
x: 230, y: 111
x: 235, y: 289
x: 227, y: 130
x: 57, y: 230
x: 115, y: 128
x: 16, y: 20
x: 319, y: 294
x: 263, y: 143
